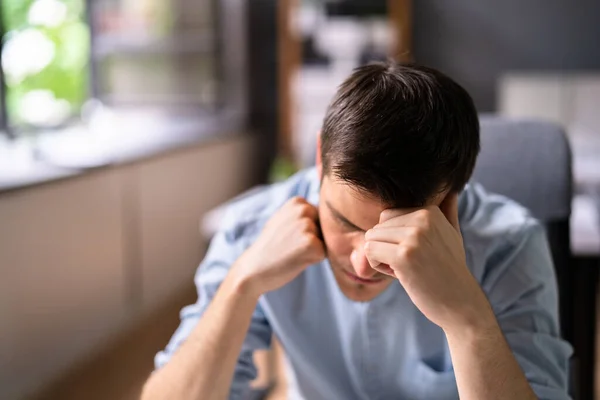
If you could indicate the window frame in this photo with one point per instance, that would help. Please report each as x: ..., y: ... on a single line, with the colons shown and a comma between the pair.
x: 226, y: 46
x: 229, y: 53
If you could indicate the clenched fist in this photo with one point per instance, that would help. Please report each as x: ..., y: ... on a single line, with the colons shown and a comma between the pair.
x: 424, y: 250
x: 288, y: 243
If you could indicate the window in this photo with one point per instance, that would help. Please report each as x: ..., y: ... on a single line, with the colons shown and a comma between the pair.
x: 166, y: 54
x: 45, y: 52
x: 156, y: 52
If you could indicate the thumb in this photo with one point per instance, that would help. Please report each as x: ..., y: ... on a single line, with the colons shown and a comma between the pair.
x: 449, y: 208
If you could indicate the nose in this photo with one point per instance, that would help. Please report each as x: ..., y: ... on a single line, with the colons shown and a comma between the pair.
x: 361, y: 265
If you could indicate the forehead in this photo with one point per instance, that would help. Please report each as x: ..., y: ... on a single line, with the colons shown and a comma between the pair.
x: 357, y: 207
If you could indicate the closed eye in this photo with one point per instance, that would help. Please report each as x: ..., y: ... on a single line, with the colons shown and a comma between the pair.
x: 342, y: 220
x: 347, y: 225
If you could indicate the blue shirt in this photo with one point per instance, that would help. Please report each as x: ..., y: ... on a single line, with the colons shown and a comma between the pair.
x: 338, y: 349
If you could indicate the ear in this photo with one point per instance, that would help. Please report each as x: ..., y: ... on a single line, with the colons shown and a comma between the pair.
x: 318, y: 162
x: 449, y: 208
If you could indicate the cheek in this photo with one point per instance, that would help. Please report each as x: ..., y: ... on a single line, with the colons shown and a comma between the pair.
x: 338, y: 242
x: 339, y: 245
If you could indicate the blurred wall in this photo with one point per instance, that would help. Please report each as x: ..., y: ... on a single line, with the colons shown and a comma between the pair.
x: 477, y: 41
x: 83, y: 259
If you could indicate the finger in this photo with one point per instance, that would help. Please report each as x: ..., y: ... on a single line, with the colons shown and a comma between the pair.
x: 380, y: 253
x: 318, y: 227
x: 311, y: 212
x: 389, y: 234
x: 320, y: 247
x: 305, y: 208
x: 416, y: 218
x: 449, y: 208
x: 295, y: 203
x: 310, y: 226
x: 390, y: 213
x: 314, y: 227
x: 297, y: 200
x: 385, y: 269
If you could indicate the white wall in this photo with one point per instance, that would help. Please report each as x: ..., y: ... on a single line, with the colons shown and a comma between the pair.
x: 570, y: 100
x: 83, y: 259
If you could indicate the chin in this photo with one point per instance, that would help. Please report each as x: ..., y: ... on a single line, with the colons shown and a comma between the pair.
x: 357, y: 291
x: 363, y: 294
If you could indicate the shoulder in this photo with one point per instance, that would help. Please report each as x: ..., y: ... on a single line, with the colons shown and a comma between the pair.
x: 508, y: 253
x: 486, y: 216
x: 500, y: 233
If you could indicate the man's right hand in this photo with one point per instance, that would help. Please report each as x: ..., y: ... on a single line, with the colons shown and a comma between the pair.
x: 288, y: 243
x: 204, y: 365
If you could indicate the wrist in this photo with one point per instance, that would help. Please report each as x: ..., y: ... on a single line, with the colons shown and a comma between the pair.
x: 244, y: 279
x: 241, y: 285
x: 474, y: 325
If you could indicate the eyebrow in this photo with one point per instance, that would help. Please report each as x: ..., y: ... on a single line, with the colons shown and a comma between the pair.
x: 341, y: 218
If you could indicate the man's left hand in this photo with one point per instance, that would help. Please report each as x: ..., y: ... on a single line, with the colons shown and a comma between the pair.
x: 424, y: 250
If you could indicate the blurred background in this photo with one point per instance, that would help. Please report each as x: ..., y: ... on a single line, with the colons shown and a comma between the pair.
x: 125, y: 124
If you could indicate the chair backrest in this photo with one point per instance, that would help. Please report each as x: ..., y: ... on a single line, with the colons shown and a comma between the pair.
x: 530, y: 162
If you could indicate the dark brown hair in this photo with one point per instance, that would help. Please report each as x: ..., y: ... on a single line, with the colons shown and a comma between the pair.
x: 402, y: 133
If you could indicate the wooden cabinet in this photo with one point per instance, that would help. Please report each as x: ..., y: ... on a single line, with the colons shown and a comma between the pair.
x: 83, y: 259
x: 62, y: 286
x: 174, y: 192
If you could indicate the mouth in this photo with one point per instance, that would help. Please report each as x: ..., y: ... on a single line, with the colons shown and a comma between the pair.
x: 362, y: 280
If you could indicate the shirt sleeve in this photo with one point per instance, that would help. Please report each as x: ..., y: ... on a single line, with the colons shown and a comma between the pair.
x: 521, y: 287
x: 223, y: 251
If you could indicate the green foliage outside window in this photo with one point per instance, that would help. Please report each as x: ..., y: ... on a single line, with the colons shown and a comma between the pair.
x: 45, y: 60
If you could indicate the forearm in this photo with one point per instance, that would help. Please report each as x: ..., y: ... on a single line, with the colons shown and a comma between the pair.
x: 484, y: 365
x: 203, y: 367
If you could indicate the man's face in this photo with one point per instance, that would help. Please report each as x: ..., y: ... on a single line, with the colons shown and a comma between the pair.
x: 345, y: 215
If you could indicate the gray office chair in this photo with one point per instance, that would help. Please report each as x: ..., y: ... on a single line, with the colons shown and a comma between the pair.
x: 530, y: 162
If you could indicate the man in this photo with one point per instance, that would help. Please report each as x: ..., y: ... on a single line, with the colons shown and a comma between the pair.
x: 381, y: 271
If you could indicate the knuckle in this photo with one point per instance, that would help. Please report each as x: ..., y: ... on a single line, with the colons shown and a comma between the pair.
x: 386, y: 214
x: 410, y: 251
x: 417, y: 232
x: 423, y: 217
x: 400, y: 253
x: 314, y: 242
x: 304, y: 208
x: 404, y: 253
x: 305, y: 225
x: 295, y: 202
x: 367, y: 247
x: 306, y: 241
x: 422, y: 213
